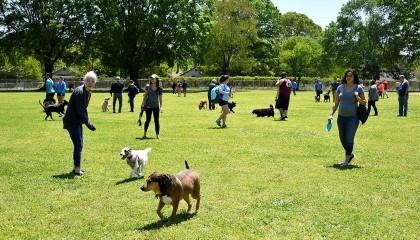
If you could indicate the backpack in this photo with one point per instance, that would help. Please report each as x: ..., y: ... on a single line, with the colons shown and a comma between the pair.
x: 362, y: 113
x: 215, y: 96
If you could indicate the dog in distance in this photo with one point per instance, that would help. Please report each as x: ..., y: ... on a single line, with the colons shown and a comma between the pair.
x: 264, y: 112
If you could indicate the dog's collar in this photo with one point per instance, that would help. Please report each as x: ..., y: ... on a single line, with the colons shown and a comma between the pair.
x: 134, y: 158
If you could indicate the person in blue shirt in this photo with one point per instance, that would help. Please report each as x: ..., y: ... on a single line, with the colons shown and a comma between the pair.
x: 294, y: 87
x: 49, y: 88
x: 61, y: 89
x: 184, y: 88
x: 225, y: 90
x: 318, y: 88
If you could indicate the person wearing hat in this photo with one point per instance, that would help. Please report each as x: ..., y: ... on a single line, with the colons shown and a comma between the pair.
x: 117, y: 89
x: 284, y: 86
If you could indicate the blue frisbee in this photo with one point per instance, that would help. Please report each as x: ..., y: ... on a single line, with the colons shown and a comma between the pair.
x: 329, y: 125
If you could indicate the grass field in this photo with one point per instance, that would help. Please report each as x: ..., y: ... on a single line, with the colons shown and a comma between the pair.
x: 261, y: 178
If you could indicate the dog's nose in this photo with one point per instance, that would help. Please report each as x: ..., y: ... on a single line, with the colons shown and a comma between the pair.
x: 142, y: 188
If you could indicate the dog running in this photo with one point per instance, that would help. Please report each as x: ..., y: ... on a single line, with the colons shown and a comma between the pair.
x: 136, y: 159
x: 170, y: 189
x: 202, y: 104
x: 327, y: 97
x: 264, y: 112
x: 58, y: 108
x: 105, y: 105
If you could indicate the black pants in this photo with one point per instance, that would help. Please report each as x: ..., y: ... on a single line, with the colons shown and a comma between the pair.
x: 149, y: 112
x: 372, y: 104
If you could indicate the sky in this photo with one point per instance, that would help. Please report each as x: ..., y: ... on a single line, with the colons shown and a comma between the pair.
x: 322, y: 12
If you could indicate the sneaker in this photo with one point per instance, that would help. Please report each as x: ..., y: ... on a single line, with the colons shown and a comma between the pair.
x: 344, y: 164
x: 81, y: 173
x: 351, y: 157
x: 218, y: 122
x: 283, y: 118
x: 224, y: 126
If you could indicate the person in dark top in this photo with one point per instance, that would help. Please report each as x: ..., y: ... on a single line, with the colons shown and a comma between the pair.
x: 117, y: 89
x: 403, y: 97
x: 334, y: 85
x: 76, y: 115
x: 133, y: 90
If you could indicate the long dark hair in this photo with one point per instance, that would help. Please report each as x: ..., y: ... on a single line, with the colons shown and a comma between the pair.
x: 355, y: 77
x: 223, y: 78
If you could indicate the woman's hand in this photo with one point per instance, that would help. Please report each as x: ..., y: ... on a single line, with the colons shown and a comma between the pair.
x: 330, y: 118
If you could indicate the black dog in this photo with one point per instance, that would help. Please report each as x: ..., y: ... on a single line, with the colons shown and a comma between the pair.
x: 231, y: 105
x: 59, y: 108
x: 269, y: 112
x: 327, y: 97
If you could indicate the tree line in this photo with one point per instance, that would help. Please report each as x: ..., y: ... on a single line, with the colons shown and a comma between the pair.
x: 134, y: 38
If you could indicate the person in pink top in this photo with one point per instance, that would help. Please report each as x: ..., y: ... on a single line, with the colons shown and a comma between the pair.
x: 284, y: 86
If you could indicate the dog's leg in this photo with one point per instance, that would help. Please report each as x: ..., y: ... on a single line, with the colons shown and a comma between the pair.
x: 159, y: 209
x: 187, y: 199
x: 175, y: 205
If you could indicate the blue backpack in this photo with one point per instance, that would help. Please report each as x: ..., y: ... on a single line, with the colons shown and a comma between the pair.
x: 215, y: 96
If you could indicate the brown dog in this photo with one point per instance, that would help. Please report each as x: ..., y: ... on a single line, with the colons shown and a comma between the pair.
x: 172, y: 188
x: 202, y: 104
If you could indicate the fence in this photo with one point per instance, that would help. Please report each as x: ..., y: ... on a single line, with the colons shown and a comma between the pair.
x: 193, y: 84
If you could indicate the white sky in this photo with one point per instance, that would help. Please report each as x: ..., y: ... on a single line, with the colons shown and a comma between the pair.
x: 322, y: 12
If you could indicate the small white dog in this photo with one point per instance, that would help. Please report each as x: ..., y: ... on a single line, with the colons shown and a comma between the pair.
x: 105, y: 105
x: 136, y: 159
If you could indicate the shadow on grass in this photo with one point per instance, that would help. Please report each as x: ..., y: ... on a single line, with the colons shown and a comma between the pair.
x: 147, y: 138
x: 69, y: 175
x: 127, y: 180
x: 339, y: 167
x: 184, y: 216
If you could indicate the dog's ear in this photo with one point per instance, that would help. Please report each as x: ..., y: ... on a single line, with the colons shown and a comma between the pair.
x: 164, y: 184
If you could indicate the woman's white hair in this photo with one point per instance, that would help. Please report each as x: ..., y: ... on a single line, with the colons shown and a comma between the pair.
x: 90, y: 75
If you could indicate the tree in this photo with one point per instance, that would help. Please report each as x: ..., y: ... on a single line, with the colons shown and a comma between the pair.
x: 375, y: 36
x: 300, y: 56
x: 297, y: 24
x: 265, y: 48
x: 233, y: 34
x: 138, y: 35
x: 44, y: 29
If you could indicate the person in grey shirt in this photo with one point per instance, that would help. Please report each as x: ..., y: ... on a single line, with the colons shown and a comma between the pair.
x: 152, y: 102
x: 373, y: 97
x: 76, y: 115
x: 349, y: 95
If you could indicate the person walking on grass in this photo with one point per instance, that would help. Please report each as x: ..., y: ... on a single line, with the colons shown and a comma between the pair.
x: 284, y: 86
x: 61, y: 89
x: 373, y: 97
x: 76, y: 115
x: 403, y: 97
x: 349, y: 95
x: 117, y: 89
x: 226, y: 92
x: 152, y: 103
x: 133, y: 90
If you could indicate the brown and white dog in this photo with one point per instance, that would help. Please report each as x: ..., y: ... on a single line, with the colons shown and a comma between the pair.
x: 172, y: 188
x: 202, y: 104
x: 136, y: 159
x: 105, y: 105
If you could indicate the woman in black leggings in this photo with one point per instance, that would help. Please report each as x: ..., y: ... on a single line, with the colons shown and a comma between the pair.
x: 152, y: 103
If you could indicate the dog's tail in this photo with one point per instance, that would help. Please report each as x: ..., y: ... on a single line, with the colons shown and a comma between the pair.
x: 186, y: 165
x: 41, y: 105
x: 148, y: 149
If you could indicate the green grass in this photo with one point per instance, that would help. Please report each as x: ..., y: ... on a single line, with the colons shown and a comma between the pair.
x: 261, y: 178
